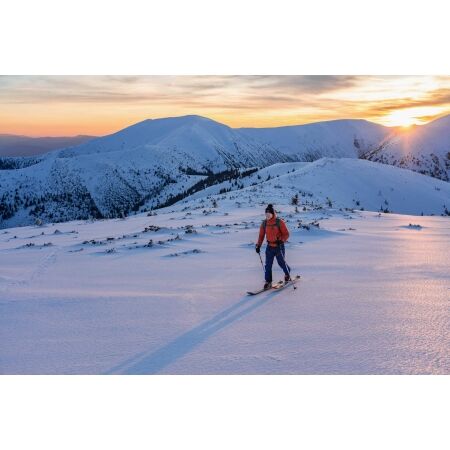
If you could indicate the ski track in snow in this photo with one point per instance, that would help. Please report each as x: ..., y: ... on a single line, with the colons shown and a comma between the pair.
x: 42, y: 266
x: 373, y: 297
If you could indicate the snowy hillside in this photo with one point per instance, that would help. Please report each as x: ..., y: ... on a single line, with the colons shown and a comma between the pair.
x: 149, y: 162
x: 338, y: 183
x: 424, y: 149
x: 193, y: 141
x: 166, y: 293
x: 334, y: 138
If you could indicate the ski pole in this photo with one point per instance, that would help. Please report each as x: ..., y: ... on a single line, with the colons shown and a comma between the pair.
x: 287, y: 267
x: 262, y: 264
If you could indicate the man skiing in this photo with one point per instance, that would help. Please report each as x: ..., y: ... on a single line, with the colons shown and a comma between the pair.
x: 276, y: 233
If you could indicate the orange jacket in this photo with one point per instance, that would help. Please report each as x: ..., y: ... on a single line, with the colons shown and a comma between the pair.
x: 272, y: 232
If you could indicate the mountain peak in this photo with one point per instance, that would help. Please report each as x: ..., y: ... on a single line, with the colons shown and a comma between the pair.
x: 186, y: 118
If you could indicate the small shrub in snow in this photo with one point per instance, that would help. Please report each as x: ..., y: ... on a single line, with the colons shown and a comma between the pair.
x: 190, y: 229
x: 93, y: 242
x: 308, y: 226
x: 151, y: 228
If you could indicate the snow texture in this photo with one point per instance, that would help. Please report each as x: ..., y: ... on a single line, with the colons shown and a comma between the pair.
x: 166, y: 293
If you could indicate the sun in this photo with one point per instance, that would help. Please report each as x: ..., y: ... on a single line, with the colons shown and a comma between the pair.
x: 410, y: 116
x: 402, y: 118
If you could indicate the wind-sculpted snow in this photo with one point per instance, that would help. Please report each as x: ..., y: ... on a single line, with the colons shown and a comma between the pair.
x: 165, y: 294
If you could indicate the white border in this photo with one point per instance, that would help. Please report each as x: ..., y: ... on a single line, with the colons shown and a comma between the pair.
x: 233, y: 37
x: 224, y: 412
x: 218, y: 37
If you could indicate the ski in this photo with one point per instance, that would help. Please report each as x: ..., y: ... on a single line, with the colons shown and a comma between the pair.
x: 283, y: 284
x: 275, y: 286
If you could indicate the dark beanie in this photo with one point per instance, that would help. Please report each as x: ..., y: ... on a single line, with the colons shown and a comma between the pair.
x: 270, y: 209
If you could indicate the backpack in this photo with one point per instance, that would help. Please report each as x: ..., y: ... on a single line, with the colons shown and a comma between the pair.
x: 277, y: 224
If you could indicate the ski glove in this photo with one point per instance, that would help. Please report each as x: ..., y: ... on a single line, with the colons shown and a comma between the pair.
x: 258, y: 248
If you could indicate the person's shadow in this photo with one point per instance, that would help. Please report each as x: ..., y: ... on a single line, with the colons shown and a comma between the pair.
x: 154, y: 362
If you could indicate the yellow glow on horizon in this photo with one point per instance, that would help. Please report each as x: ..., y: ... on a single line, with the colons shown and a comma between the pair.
x: 60, y: 122
x: 100, y: 105
x: 411, y: 116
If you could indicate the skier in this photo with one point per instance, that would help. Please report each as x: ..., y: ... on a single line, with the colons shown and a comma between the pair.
x: 276, y: 233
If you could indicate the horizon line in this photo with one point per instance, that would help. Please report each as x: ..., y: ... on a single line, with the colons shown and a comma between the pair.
x: 393, y: 127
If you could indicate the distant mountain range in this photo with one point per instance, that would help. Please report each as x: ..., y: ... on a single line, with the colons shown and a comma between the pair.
x: 157, y: 162
x: 15, y: 145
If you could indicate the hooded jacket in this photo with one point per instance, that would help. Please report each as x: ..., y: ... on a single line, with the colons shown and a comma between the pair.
x: 272, y: 232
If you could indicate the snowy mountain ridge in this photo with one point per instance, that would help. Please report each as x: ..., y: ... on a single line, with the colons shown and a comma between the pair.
x: 347, y: 138
x: 159, y: 161
x: 151, y: 161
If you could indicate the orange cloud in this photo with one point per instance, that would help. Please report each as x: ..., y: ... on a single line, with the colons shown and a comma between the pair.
x: 68, y: 105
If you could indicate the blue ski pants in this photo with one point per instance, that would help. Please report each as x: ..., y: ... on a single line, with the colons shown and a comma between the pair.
x: 271, y: 253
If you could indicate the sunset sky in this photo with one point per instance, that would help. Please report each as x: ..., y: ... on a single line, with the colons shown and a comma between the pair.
x: 98, y: 105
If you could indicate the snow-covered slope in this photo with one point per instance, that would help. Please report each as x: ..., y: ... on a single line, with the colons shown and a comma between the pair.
x: 149, y: 162
x: 424, y: 149
x: 340, y: 183
x: 335, y: 138
x: 166, y: 294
